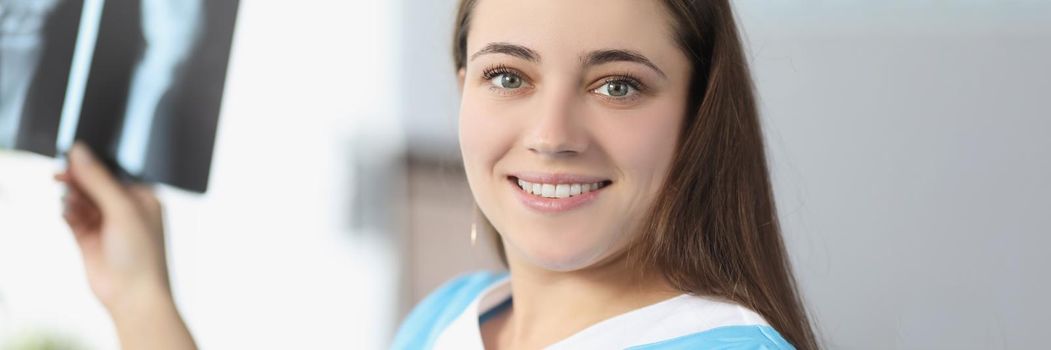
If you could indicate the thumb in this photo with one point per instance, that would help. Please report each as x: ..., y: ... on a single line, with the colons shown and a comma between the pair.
x: 95, y: 180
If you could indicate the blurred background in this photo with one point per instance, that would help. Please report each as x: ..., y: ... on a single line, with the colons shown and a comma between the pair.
x: 908, y: 141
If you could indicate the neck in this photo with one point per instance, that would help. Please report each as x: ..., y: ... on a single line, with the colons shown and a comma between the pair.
x: 552, y: 305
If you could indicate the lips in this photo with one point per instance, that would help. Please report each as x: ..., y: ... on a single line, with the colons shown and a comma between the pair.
x: 556, y: 193
x: 558, y: 190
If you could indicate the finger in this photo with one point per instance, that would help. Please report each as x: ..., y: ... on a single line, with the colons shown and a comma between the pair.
x: 84, y: 229
x: 79, y: 205
x: 77, y: 221
x: 74, y: 195
x: 83, y: 225
x: 91, y: 176
x: 80, y: 212
x: 146, y: 198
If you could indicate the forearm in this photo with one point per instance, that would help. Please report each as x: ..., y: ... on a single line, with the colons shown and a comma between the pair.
x: 120, y: 231
x: 152, y: 323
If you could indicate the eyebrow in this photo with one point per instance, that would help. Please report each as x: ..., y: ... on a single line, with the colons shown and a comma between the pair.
x: 519, y: 51
x: 593, y: 58
x: 598, y: 57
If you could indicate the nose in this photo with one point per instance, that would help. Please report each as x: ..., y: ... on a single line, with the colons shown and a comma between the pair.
x: 559, y: 129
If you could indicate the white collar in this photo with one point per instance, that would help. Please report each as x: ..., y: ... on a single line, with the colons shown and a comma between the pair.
x: 682, y: 315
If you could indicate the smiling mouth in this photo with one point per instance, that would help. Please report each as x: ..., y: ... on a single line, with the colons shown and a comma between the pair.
x: 558, y: 191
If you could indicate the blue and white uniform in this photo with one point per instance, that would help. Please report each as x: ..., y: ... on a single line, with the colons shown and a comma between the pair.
x: 449, y: 318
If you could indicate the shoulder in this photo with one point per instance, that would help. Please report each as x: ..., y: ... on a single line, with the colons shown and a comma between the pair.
x: 743, y: 337
x: 441, y: 307
x: 710, y: 312
x: 709, y: 322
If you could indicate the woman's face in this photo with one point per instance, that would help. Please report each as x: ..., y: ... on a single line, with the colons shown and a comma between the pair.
x: 569, y: 119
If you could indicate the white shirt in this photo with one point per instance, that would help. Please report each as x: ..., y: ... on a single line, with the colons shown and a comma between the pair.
x: 679, y: 316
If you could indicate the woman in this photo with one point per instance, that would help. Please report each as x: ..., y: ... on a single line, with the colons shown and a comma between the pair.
x: 615, y: 149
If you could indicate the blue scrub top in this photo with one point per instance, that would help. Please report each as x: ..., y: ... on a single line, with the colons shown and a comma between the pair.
x: 430, y: 318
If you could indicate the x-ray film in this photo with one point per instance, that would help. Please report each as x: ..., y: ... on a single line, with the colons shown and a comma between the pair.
x: 140, y: 81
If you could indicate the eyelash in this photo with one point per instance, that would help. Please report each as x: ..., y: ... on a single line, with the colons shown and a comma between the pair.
x: 494, y: 71
x: 627, y: 78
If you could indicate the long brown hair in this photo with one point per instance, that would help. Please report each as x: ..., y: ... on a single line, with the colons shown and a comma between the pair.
x: 713, y: 229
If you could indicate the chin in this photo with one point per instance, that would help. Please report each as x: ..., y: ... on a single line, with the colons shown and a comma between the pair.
x: 559, y: 255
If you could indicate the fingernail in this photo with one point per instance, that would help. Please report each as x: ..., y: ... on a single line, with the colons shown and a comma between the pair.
x: 79, y: 154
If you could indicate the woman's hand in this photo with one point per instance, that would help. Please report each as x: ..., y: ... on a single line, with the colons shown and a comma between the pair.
x: 120, y: 232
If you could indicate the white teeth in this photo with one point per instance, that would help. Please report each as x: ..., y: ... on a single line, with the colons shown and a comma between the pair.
x: 548, y: 190
x: 562, y: 191
x: 557, y: 190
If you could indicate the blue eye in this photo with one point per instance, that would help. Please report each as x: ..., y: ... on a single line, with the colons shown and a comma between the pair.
x: 506, y: 81
x: 616, y: 88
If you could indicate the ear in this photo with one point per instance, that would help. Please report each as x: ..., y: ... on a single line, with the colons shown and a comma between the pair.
x: 460, y: 76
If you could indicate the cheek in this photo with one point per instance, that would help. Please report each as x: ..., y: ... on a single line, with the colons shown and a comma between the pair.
x: 485, y: 137
x: 643, y: 145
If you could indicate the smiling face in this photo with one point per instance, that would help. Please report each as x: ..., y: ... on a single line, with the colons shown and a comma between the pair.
x: 569, y: 119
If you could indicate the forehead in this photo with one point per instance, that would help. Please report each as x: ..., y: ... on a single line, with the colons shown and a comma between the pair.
x: 560, y: 29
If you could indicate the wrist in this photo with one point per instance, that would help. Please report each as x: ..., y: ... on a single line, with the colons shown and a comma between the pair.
x: 150, y: 321
x: 133, y: 301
